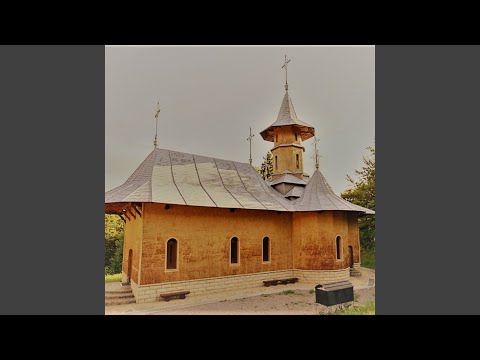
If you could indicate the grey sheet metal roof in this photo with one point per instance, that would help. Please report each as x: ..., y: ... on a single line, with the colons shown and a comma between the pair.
x: 297, y: 191
x: 287, y: 116
x: 288, y: 179
x: 318, y: 195
x: 172, y: 177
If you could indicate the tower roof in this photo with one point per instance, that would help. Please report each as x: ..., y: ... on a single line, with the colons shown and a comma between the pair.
x: 318, y: 195
x: 286, y: 117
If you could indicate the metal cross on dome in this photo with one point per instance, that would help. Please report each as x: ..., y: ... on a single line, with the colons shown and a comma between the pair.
x: 286, y: 72
x: 316, y: 157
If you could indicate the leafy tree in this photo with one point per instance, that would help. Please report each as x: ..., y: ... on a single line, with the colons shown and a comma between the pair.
x: 114, y: 227
x: 113, y: 265
x: 266, y: 170
x: 362, y: 192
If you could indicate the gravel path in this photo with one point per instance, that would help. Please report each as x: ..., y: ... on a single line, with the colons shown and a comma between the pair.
x: 290, y: 302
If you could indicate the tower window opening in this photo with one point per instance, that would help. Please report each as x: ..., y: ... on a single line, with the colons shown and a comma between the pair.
x: 276, y: 162
x: 298, y: 161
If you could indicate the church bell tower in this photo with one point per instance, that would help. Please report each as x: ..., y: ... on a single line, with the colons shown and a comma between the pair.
x: 287, y: 134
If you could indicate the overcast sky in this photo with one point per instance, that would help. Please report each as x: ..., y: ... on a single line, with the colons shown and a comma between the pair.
x: 210, y: 96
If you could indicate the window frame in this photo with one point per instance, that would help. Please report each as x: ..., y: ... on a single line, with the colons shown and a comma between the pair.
x: 269, y: 250
x: 338, y: 250
x: 177, y: 255
x: 238, y: 251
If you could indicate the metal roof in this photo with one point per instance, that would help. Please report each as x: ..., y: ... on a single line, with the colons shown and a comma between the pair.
x: 296, y: 191
x: 318, y: 195
x: 287, y: 116
x: 288, y: 179
x: 172, y: 177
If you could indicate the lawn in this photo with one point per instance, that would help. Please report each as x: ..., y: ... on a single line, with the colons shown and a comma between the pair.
x: 113, y: 278
x: 367, y: 309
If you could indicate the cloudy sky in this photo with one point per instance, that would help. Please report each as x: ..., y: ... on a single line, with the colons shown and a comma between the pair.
x: 210, y: 96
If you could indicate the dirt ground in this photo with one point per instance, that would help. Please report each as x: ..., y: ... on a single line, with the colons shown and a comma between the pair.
x: 289, y: 302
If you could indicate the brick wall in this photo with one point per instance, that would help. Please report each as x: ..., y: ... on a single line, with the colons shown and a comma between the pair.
x: 131, y: 241
x: 204, y: 234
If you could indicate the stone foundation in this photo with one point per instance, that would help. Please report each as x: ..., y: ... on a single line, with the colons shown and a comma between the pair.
x: 322, y: 276
x: 200, y: 287
x: 134, y: 287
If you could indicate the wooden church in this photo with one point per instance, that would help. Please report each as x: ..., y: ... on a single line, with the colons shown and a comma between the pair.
x: 200, y: 225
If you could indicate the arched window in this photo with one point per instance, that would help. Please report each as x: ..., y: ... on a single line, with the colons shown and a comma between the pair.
x: 266, y: 249
x: 234, y: 251
x: 276, y: 162
x: 298, y: 161
x: 338, y: 243
x: 172, y: 249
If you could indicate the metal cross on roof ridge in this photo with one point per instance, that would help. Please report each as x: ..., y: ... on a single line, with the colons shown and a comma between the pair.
x: 156, y: 125
x: 286, y: 72
x: 250, y: 139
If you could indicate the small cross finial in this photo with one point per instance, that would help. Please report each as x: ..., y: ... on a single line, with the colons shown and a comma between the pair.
x: 316, y: 156
x: 156, y: 125
x: 286, y: 73
x: 250, y: 139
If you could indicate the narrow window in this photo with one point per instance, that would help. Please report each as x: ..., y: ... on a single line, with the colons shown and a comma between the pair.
x: 276, y: 138
x: 339, y: 247
x: 234, y: 251
x: 298, y: 161
x: 266, y: 249
x: 276, y: 162
x: 172, y: 254
x: 296, y: 137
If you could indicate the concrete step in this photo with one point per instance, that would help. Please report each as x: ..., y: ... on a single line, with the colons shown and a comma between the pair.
x: 119, y: 296
x: 123, y: 301
x: 119, y: 291
x: 355, y: 273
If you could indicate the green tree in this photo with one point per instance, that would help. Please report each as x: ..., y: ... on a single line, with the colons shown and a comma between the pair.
x: 362, y: 192
x: 266, y: 170
x: 113, y: 226
x: 114, y: 231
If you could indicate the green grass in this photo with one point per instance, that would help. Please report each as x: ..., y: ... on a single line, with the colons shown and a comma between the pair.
x: 367, y: 309
x: 113, y: 278
x: 289, y: 292
x: 368, y: 258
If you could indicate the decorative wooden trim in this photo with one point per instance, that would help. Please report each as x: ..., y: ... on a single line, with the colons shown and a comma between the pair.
x: 135, y: 207
x: 132, y: 213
